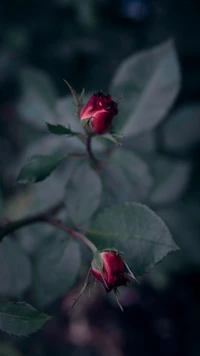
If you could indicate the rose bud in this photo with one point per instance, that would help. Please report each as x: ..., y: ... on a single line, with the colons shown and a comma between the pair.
x: 99, y: 110
x: 109, y: 268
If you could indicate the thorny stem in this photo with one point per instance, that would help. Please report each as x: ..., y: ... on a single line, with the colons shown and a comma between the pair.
x: 45, y: 216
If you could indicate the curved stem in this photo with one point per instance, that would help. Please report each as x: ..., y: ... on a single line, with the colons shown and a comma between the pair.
x: 74, y: 233
x: 89, y: 150
x: 45, y: 216
x: 12, y: 226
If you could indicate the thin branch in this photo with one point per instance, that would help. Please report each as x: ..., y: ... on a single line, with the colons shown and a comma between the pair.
x: 74, y: 233
x: 45, y: 216
x: 9, y: 227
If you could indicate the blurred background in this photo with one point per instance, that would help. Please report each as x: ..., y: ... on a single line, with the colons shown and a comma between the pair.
x: 84, y: 41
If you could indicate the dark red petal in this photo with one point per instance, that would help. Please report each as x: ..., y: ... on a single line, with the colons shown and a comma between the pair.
x: 107, y: 103
x: 119, y: 280
x: 101, y: 121
x: 98, y: 276
x: 112, y: 261
x: 113, y: 267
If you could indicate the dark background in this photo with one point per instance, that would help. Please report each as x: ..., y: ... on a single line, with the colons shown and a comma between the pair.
x: 85, y: 41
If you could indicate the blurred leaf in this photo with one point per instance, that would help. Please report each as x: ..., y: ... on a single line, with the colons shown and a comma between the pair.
x: 145, y: 142
x: 15, y: 269
x: 66, y: 111
x: 41, y: 198
x: 83, y: 194
x: 20, y: 319
x: 126, y: 177
x: 39, y: 97
x: 182, y: 129
x: 38, y: 168
x: 135, y: 230
x: 149, y: 82
x: 61, y: 130
x: 170, y: 179
x: 56, y: 268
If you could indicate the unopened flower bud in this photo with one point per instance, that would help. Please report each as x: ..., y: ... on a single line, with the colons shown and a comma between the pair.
x: 99, y: 110
x: 110, y: 270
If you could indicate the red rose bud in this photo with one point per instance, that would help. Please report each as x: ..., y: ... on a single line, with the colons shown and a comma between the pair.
x: 99, y: 110
x: 109, y: 268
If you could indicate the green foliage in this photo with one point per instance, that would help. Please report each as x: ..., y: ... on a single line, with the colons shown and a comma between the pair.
x: 38, y: 168
x: 15, y: 269
x: 20, y: 319
x: 167, y: 183
x: 137, y: 231
x: 149, y: 82
x: 56, y: 267
x: 61, y: 130
x: 83, y: 194
x: 112, y: 138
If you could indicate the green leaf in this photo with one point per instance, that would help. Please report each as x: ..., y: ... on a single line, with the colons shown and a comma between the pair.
x: 61, y: 130
x: 38, y: 99
x: 112, y: 138
x: 56, y: 268
x: 85, y: 122
x: 15, y: 269
x: 38, y: 168
x: 126, y: 177
x: 83, y: 194
x: 135, y: 230
x: 149, y: 82
x: 20, y: 319
x: 66, y: 114
x: 182, y: 129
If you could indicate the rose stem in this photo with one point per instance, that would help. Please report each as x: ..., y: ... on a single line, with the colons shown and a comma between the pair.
x: 45, y: 216
x: 89, y: 150
x: 74, y: 233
